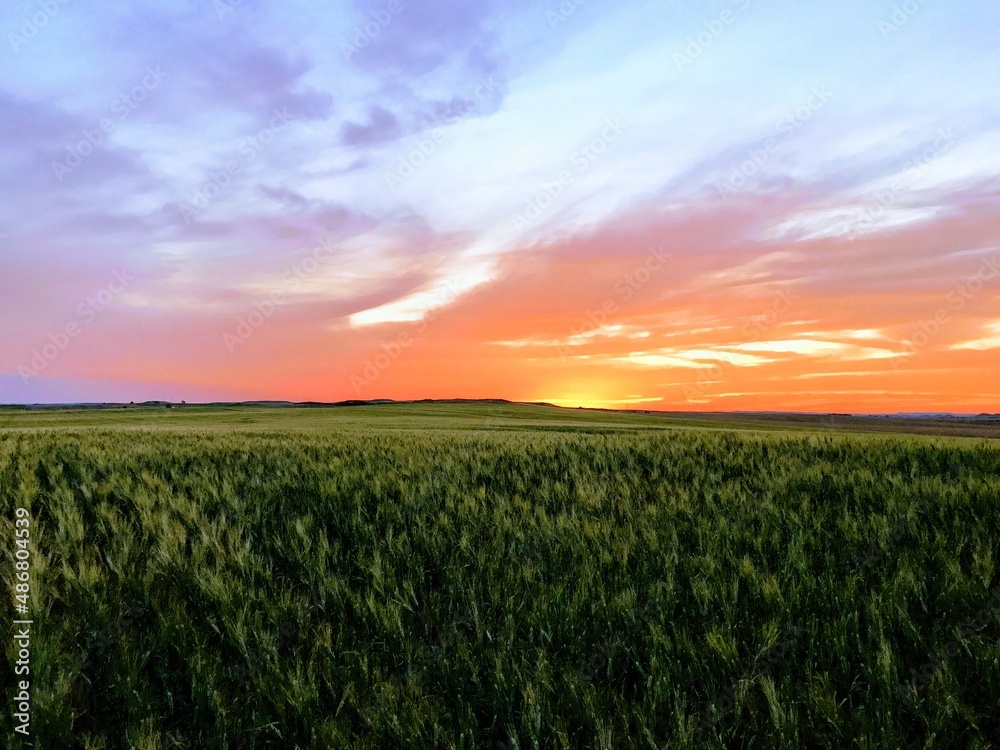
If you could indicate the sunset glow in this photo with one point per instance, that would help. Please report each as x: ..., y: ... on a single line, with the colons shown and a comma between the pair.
x: 721, y: 205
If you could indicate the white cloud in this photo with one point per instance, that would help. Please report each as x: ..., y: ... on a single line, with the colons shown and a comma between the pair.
x: 991, y: 341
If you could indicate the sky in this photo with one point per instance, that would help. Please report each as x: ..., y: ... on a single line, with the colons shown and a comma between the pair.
x: 689, y: 205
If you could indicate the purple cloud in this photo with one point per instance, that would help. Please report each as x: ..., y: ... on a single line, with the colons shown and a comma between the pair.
x: 382, y: 126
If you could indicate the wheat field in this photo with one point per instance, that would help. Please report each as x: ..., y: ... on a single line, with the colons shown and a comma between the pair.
x: 497, y: 577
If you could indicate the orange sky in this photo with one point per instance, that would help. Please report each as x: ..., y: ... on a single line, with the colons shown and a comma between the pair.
x: 660, y: 310
x: 830, y: 324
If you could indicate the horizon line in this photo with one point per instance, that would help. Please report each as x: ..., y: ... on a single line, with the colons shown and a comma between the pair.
x: 389, y: 401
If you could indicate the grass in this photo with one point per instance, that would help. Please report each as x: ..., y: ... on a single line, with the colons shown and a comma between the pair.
x: 452, y: 576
